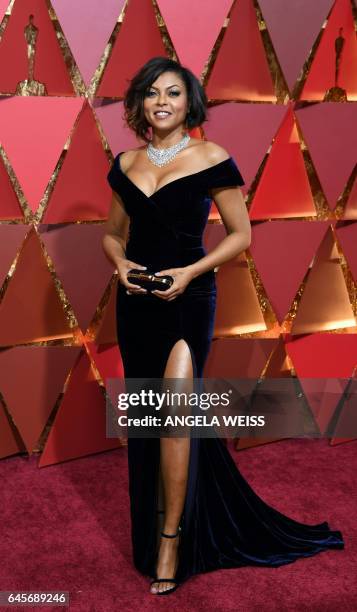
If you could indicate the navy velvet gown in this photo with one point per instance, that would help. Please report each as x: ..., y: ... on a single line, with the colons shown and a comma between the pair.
x: 225, y: 523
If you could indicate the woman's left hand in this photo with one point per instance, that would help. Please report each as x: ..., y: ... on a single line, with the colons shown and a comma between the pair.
x: 181, y: 276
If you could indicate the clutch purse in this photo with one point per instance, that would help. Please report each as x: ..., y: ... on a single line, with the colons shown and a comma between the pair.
x: 149, y: 281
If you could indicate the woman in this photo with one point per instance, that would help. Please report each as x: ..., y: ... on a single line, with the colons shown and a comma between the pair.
x: 191, y: 509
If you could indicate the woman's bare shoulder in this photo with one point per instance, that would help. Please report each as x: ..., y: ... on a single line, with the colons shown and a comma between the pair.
x: 128, y: 157
x: 214, y: 153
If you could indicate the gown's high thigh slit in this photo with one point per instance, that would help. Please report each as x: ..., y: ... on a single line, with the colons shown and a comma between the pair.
x: 225, y: 523
x: 186, y: 386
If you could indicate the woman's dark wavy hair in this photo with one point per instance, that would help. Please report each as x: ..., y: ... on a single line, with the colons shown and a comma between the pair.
x: 142, y: 81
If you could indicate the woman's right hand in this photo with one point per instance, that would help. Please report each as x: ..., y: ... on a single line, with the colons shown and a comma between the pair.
x: 123, y: 268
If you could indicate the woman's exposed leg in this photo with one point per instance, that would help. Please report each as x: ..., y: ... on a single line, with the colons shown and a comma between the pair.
x: 174, y: 460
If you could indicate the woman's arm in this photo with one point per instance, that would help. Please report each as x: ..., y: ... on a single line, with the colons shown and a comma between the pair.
x: 116, y: 231
x: 231, y: 205
x: 114, y: 242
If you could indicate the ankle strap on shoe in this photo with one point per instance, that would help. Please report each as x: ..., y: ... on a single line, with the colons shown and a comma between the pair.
x: 170, y: 535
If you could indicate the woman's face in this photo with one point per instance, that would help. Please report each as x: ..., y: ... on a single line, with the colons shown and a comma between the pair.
x: 168, y: 93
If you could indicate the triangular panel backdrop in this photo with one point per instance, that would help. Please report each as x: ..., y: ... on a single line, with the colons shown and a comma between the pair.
x: 282, y: 90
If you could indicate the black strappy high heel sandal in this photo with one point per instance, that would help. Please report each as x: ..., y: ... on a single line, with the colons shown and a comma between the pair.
x: 174, y: 580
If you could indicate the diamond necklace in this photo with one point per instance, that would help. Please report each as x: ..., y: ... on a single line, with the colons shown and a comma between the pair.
x: 161, y: 157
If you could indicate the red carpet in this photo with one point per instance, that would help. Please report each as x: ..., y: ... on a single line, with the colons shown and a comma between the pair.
x: 67, y: 527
